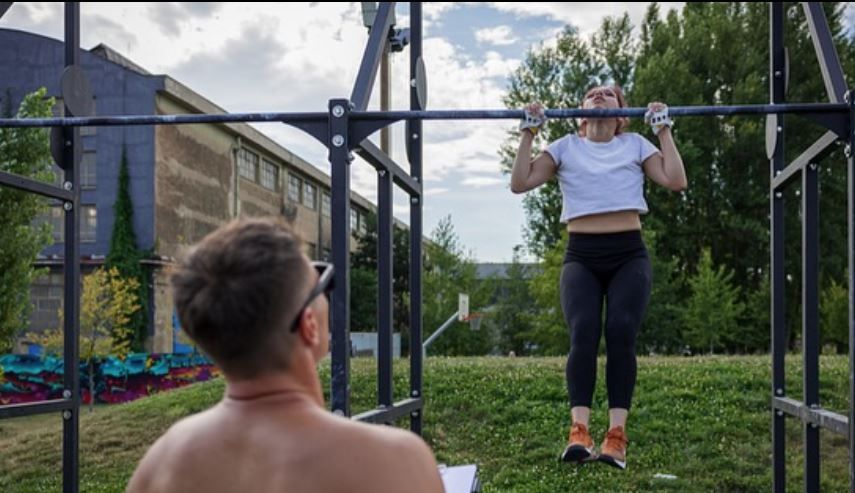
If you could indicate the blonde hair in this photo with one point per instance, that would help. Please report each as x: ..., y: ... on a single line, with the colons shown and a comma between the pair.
x: 623, y: 121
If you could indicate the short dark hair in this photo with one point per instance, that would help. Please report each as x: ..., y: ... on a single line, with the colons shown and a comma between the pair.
x: 238, y: 289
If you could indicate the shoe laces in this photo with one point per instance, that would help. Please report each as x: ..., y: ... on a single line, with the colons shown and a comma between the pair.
x: 616, y: 438
x: 579, y: 433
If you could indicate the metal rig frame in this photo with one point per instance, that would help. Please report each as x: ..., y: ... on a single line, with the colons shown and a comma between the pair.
x: 344, y: 129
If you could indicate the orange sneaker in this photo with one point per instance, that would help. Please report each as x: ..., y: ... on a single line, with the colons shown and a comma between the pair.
x: 580, y: 447
x: 613, y: 449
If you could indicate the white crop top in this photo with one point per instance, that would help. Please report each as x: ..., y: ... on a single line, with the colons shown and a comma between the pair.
x: 598, y: 177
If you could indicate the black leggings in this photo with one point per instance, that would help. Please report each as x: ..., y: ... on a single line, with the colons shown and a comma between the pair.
x: 614, y: 268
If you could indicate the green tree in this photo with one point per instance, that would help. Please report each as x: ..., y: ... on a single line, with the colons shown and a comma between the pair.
x: 726, y: 206
x: 512, y: 315
x: 107, y: 308
x: 834, y: 316
x: 363, y: 291
x: 549, y: 333
x: 448, y: 272
x: 363, y: 299
x: 661, y: 328
x: 713, y: 309
x: 756, y: 323
x: 558, y: 77
x: 25, y: 152
x: 125, y: 256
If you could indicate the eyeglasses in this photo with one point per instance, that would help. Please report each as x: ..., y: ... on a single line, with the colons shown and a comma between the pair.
x: 326, y: 276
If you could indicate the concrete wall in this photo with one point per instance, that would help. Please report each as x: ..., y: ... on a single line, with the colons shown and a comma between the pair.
x: 161, y: 341
x: 193, y: 185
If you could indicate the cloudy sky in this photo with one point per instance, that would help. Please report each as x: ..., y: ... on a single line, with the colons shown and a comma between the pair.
x: 252, y: 57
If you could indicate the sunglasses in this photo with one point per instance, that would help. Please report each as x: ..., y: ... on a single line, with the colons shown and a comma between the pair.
x: 326, y: 276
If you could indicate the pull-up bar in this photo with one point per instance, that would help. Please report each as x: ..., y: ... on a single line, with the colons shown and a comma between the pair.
x: 391, y: 116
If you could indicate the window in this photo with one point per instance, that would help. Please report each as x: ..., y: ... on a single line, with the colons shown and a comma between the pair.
x: 326, y: 205
x: 55, y: 216
x: 269, y: 175
x: 309, y: 193
x: 88, y: 223
x: 363, y: 227
x: 294, y: 186
x: 248, y: 164
x: 88, y: 170
x: 46, y: 295
x: 354, y: 221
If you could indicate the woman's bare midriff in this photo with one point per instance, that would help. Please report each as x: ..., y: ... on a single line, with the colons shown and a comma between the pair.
x: 609, y: 222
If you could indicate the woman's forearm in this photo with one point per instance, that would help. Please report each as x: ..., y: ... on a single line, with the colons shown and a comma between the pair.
x: 672, y: 164
x: 522, y: 163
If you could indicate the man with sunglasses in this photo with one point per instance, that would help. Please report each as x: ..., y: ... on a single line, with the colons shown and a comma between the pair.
x: 251, y: 299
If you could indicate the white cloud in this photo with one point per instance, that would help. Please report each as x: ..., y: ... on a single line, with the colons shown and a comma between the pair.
x: 586, y: 16
x: 434, y: 191
x: 499, y: 36
x: 433, y: 12
x: 495, y: 65
x: 483, y: 181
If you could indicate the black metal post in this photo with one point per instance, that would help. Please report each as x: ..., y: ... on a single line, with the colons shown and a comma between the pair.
x: 414, y: 146
x: 340, y: 158
x: 378, y: 39
x: 826, y: 53
x: 71, y: 321
x: 777, y: 79
x: 850, y: 165
x: 810, y: 319
x: 385, y: 236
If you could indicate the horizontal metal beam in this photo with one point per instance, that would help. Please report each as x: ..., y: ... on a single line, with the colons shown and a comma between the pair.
x: 829, y: 420
x: 747, y: 109
x: 110, y: 121
x: 377, y: 158
x: 392, y: 116
x: 32, y: 408
x: 35, y: 186
x: 400, y: 409
x: 814, y: 153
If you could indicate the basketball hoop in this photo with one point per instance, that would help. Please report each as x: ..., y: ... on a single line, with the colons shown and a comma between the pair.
x: 474, y: 319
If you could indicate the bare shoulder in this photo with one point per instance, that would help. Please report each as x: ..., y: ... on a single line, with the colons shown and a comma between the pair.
x: 150, y: 473
x: 145, y: 475
x: 390, y: 459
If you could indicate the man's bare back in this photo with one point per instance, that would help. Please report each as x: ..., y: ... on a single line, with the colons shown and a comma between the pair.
x: 271, y: 444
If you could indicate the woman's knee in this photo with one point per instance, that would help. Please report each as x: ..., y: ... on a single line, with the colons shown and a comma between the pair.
x: 584, y: 330
x: 622, y: 330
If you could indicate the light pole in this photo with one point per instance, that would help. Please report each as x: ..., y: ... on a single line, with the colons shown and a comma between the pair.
x: 397, y: 40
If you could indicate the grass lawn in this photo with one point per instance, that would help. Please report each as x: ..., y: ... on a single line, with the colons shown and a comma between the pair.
x: 705, y: 420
